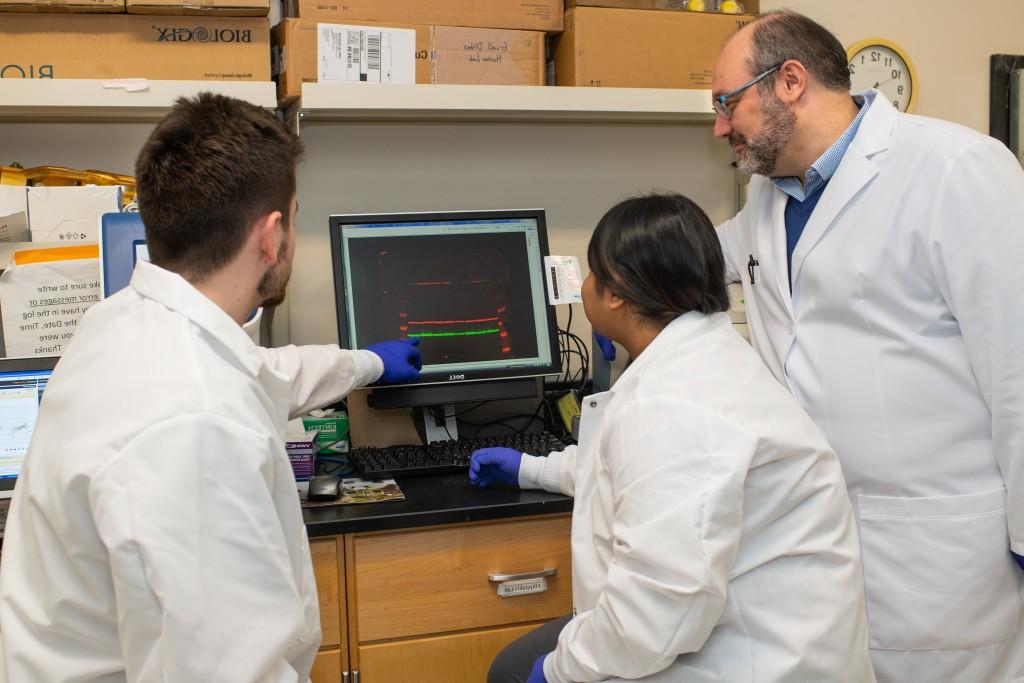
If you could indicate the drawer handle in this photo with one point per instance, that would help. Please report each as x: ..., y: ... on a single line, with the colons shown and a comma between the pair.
x: 499, y: 578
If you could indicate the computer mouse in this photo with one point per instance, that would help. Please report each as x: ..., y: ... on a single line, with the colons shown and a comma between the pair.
x: 324, y: 487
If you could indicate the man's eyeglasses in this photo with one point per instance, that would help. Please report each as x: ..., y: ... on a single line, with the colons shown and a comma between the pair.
x: 718, y: 103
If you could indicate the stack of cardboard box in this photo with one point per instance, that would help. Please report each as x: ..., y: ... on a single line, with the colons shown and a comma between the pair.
x: 641, y: 43
x: 109, y: 39
x: 485, y: 42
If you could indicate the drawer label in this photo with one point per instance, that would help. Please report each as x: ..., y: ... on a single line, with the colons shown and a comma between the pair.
x: 510, y: 589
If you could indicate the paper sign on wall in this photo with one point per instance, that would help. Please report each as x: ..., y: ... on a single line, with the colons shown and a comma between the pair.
x: 564, y: 280
x: 43, y: 294
x: 353, y: 54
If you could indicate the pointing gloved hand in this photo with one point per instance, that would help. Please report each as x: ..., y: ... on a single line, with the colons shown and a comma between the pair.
x: 607, y: 347
x: 537, y: 672
x: 494, y: 464
x: 402, y: 360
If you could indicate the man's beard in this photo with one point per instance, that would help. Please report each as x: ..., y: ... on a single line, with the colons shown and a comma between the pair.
x: 763, y: 150
x: 274, y: 284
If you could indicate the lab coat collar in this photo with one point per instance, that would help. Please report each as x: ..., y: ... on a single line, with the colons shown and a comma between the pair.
x: 854, y: 172
x: 687, y: 326
x: 173, y: 291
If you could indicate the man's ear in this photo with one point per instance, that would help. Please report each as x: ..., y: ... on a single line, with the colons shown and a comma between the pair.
x: 791, y: 81
x: 269, y: 233
x: 615, y: 302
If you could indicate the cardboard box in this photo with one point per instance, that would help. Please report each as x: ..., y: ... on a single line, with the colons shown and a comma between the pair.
x: 76, y: 6
x: 530, y: 15
x: 221, y: 8
x: 132, y: 46
x: 331, y: 432
x: 627, y: 48
x: 72, y: 213
x: 444, y: 54
x: 749, y: 6
x: 483, y: 56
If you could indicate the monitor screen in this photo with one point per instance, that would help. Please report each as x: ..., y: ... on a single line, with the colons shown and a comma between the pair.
x: 470, y: 285
x: 22, y: 381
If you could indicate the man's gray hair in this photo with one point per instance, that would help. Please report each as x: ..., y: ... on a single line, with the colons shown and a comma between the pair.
x: 782, y: 34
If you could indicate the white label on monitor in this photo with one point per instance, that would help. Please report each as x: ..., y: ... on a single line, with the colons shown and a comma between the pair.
x: 562, y: 274
x: 347, y: 54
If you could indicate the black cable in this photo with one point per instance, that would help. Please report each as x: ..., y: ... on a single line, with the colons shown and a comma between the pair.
x: 470, y: 409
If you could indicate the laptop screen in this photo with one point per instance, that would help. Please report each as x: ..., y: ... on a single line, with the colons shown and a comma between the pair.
x: 22, y: 382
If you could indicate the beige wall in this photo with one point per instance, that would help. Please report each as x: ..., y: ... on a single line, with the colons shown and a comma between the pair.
x: 949, y: 42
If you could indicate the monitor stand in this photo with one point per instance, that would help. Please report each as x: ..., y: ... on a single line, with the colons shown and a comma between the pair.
x: 439, y: 423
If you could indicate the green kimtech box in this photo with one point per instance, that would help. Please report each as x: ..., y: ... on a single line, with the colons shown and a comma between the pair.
x: 331, y: 432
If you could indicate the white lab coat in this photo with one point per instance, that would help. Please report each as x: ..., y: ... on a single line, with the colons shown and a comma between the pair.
x: 904, y: 341
x: 712, y: 538
x: 155, y: 532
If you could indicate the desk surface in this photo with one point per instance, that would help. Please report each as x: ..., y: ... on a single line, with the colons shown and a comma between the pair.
x: 443, y: 499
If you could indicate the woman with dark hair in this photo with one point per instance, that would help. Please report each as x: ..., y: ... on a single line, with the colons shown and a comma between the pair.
x: 712, y: 538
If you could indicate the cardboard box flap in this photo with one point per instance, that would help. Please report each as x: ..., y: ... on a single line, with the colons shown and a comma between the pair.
x: 630, y: 48
x: 238, y: 8
x: 86, y: 6
x: 749, y: 6
x: 531, y: 15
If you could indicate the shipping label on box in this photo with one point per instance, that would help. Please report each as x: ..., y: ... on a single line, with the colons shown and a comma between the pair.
x: 354, y: 54
x: 133, y: 46
x: 294, y: 55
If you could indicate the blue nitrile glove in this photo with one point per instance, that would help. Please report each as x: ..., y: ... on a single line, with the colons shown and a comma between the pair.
x: 1019, y: 558
x: 402, y: 360
x: 494, y: 464
x: 537, y: 672
x: 607, y: 347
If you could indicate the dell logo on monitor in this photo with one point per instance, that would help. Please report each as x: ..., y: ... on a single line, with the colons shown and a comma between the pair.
x: 455, y: 378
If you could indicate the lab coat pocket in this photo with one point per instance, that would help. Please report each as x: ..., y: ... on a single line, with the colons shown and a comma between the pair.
x: 938, y: 572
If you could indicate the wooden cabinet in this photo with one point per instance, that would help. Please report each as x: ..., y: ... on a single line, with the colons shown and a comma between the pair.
x: 419, y: 606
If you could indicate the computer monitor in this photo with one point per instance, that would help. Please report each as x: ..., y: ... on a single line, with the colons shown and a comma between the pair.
x: 469, y: 284
x: 22, y: 381
x: 122, y: 245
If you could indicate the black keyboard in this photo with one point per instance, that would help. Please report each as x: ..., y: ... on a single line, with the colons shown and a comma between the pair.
x: 443, y: 457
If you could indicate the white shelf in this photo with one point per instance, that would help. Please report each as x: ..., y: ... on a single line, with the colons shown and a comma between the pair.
x: 45, y: 99
x: 364, y: 102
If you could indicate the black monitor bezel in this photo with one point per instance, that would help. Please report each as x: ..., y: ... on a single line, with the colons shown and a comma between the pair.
x: 444, y: 378
x: 24, y: 364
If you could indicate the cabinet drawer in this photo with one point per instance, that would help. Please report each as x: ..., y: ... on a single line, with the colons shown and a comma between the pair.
x: 434, y: 581
x: 327, y: 667
x: 325, y: 568
x: 456, y: 658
